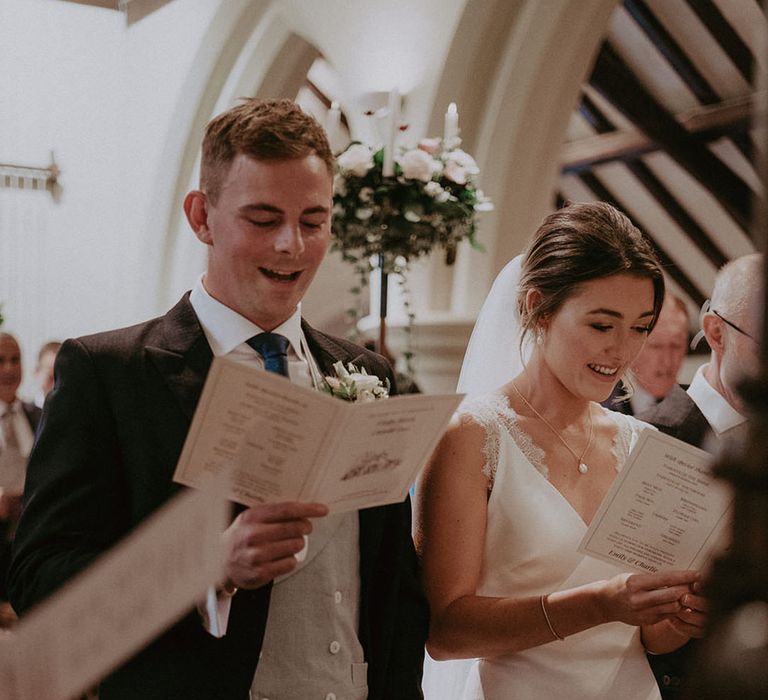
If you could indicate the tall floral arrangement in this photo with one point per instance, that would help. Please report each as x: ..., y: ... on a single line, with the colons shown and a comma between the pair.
x: 430, y: 201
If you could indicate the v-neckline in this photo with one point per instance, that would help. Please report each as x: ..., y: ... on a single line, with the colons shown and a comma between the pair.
x: 514, y: 418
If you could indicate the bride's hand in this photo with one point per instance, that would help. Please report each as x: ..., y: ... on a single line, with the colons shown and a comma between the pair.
x: 645, y: 599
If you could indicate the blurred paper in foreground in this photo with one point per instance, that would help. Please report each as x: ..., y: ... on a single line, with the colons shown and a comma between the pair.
x: 120, y: 603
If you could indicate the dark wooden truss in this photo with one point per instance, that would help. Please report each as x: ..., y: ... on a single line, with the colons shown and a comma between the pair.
x: 685, y: 137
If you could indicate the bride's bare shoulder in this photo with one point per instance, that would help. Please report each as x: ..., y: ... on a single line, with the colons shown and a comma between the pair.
x: 464, y: 442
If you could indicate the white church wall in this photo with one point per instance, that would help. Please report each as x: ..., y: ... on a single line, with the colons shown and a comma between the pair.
x: 123, y: 107
x: 60, y: 94
x: 100, y: 95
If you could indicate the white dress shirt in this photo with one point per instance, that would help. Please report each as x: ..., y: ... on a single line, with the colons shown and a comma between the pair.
x: 13, y: 464
x: 721, y: 416
x: 227, y: 332
x: 328, y: 629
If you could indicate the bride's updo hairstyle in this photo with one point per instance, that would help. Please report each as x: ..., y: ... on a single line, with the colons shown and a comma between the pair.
x: 579, y: 243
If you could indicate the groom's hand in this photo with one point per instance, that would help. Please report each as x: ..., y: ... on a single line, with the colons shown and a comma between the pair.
x: 261, y: 542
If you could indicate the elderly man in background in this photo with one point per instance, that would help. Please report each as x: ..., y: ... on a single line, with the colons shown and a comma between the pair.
x: 18, y: 422
x: 711, y: 411
x: 655, y: 370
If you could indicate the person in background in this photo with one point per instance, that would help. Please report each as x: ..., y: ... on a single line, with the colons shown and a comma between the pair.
x: 349, y: 620
x: 711, y: 413
x: 655, y: 370
x: 44, y: 370
x: 18, y: 422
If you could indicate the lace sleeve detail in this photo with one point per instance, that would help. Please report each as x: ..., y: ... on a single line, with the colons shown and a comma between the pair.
x: 627, y: 434
x: 485, y: 410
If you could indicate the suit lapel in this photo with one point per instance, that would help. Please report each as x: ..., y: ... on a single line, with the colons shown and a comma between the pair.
x: 679, y: 416
x: 324, y: 349
x: 182, y: 355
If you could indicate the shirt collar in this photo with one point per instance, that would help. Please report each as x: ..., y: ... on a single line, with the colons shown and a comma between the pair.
x: 225, y: 329
x: 718, y: 412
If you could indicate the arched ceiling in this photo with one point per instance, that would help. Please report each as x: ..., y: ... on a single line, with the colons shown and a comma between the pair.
x: 664, y: 130
x: 661, y: 127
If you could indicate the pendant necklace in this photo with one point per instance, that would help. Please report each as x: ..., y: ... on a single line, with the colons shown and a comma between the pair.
x: 583, y: 468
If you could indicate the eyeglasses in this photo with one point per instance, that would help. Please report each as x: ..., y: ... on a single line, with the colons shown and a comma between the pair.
x: 732, y: 325
x: 706, y: 308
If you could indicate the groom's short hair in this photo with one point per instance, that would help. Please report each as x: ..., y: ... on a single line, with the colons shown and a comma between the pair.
x: 264, y: 130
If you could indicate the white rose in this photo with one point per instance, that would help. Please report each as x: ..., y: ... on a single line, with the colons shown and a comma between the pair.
x: 417, y: 165
x: 435, y: 189
x: 365, y: 194
x: 339, y: 185
x: 357, y: 159
x: 455, y: 172
x: 363, y: 213
x: 463, y: 159
x: 364, y: 382
x: 365, y: 396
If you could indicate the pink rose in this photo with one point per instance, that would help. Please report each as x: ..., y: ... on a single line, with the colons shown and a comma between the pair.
x: 417, y: 165
x: 459, y: 165
x: 454, y: 172
x: 431, y: 146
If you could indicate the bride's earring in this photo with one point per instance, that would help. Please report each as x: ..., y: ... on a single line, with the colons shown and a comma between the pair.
x: 539, y: 336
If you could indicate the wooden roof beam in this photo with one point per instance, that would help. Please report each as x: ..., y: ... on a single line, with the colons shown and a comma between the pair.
x: 724, y: 34
x: 612, y: 78
x: 672, y: 51
x: 707, y: 123
x: 677, y: 213
x: 678, y: 59
x: 684, y: 282
x: 663, y: 196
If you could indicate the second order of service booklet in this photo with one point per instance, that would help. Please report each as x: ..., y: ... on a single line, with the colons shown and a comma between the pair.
x: 284, y: 442
x: 665, y: 509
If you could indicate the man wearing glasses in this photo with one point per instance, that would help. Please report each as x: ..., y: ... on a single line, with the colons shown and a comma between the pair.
x: 711, y: 412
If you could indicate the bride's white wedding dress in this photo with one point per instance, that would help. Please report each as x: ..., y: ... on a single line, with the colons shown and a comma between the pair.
x: 532, y: 535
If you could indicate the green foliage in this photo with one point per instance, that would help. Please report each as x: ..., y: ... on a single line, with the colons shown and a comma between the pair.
x: 404, y: 217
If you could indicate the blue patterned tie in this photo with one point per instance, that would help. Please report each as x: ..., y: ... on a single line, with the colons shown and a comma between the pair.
x: 273, y: 347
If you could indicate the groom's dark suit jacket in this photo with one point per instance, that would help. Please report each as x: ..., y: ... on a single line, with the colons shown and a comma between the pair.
x: 677, y: 415
x: 110, y: 437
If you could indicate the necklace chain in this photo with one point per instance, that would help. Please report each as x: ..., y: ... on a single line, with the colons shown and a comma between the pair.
x: 583, y: 468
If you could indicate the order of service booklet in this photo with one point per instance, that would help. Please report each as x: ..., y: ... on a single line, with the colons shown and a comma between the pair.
x: 665, y: 509
x: 122, y: 601
x: 286, y: 442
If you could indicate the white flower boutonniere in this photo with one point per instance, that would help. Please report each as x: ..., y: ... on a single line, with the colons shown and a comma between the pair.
x: 353, y: 384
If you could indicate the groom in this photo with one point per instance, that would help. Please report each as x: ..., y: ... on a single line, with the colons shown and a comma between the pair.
x: 349, y: 619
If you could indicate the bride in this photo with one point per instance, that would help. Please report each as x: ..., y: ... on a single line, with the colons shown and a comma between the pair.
x: 517, y: 478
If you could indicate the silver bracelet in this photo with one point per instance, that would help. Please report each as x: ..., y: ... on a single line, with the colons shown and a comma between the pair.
x: 543, y: 602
